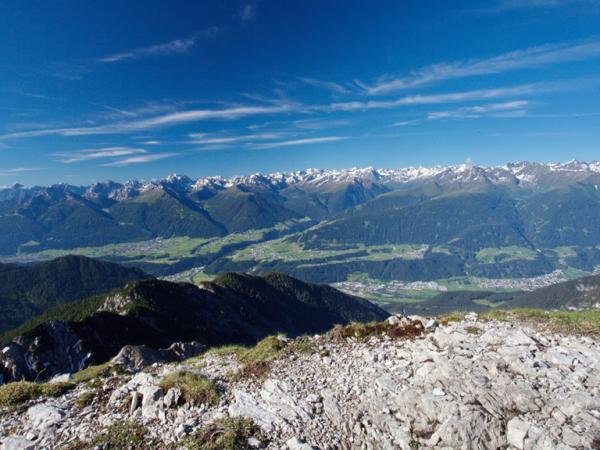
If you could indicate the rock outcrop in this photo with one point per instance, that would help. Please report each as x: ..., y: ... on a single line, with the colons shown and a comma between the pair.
x: 134, y: 358
x: 414, y: 383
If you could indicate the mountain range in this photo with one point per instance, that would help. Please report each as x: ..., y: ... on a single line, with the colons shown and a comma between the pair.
x: 66, y: 216
x: 234, y: 309
x: 462, y: 226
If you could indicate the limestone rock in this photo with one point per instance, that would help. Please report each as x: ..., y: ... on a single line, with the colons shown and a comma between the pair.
x: 16, y: 443
x: 516, y: 432
x: 133, y: 358
x: 503, y: 385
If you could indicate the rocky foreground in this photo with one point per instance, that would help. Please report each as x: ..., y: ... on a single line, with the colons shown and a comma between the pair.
x: 403, y: 384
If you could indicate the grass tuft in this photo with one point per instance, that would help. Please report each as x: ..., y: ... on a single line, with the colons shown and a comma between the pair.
x: 19, y: 392
x: 195, y: 389
x: 224, y: 434
x: 363, y: 331
x: 265, y: 351
x: 119, y: 436
x: 90, y: 373
x: 228, y: 350
x: 85, y: 399
x: 567, y: 322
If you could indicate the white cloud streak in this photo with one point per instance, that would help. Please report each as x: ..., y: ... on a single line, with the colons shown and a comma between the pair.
x: 16, y: 170
x: 336, y: 88
x: 306, y: 141
x: 139, y: 159
x: 237, y: 112
x: 452, y: 97
x: 528, y: 58
x: 160, y: 121
x: 516, y: 108
x: 475, y: 112
x: 167, y: 48
x: 509, y: 5
x: 91, y: 154
x: 204, y: 139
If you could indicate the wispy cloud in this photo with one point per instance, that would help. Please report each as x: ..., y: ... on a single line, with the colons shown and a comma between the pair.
x: 452, y: 97
x: 516, y: 108
x: 531, y: 57
x: 306, y: 141
x: 509, y: 5
x: 208, y: 139
x: 160, y: 121
x: 286, y: 106
x: 17, y: 170
x: 98, y: 153
x: 320, y: 124
x: 24, y: 93
x: 475, y: 112
x: 166, y: 48
x: 327, y: 85
x: 140, y: 159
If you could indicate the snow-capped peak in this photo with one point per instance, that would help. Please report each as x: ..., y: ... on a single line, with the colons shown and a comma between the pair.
x: 524, y: 173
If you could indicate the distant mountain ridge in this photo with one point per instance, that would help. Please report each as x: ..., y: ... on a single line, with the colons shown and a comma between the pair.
x: 26, y: 291
x: 235, y: 308
x: 65, y: 216
x: 579, y: 294
x: 525, y: 173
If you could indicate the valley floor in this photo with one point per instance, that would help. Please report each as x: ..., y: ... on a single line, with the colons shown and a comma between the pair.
x: 473, y: 384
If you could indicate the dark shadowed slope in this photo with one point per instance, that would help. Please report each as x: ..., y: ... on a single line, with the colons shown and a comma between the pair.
x: 26, y: 291
x: 234, y: 309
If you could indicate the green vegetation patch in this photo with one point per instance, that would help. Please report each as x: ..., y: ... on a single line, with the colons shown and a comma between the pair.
x: 13, y: 394
x: 85, y: 399
x: 121, y: 436
x: 225, y: 434
x: 91, y: 373
x: 288, y: 249
x: 567, y: 322
x: 195, y: 389
x: 231, y: 349
x: 363, y: 331
x: 503, y: 254
x: 257, y: 360
x: 266, y: 350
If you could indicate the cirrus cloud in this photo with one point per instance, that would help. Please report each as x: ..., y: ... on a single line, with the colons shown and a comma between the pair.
x: 527, y: 58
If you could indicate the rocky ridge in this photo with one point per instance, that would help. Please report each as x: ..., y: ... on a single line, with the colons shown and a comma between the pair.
x: 409, y: 383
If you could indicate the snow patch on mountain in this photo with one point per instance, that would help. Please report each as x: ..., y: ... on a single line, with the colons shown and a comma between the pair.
x: 520, y: 173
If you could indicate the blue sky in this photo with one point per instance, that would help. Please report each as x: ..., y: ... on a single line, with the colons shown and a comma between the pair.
x: 117, y: 90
